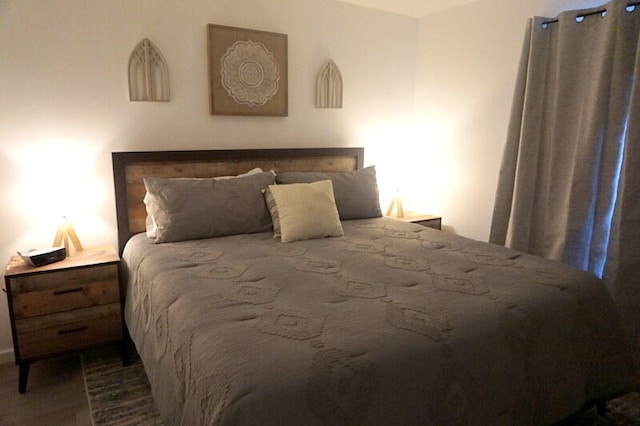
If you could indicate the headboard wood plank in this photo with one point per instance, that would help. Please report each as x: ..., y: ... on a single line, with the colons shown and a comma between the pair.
x: 130, y: 168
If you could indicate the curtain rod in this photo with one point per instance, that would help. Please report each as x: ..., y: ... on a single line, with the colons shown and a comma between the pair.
x: 603, y: 12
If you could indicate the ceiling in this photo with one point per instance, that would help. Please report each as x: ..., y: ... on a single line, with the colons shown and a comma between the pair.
x: 414, y: 8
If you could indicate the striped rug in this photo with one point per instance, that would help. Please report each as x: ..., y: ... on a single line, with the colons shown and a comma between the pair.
x: 623, y: 411
x: 117, y: 395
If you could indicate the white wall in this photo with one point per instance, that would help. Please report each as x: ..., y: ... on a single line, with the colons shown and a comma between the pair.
x: 64, y: 98
x: 465, y: 75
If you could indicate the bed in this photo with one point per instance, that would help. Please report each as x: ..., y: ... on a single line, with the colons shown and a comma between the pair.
x: 384, y: 322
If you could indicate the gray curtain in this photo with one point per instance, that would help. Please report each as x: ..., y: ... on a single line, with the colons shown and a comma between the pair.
x: 569, y: 185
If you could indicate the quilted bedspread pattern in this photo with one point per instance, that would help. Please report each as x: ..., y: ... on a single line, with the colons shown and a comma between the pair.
x: 393, y: 323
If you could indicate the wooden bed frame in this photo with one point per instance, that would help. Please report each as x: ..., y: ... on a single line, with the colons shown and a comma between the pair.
x: 129, y: 169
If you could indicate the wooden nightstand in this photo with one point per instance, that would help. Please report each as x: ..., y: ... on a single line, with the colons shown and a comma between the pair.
x: 427, y: 220
x: 64, y: 306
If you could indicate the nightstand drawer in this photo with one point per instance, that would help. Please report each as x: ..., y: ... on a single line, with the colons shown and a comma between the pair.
x: 54, y: 279
x: 427, y: 220
x: 75, y: 289
x: 435, y: 223
x: 49, y: 334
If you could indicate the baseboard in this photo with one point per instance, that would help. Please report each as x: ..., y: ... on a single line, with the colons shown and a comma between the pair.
x: 6, y: 356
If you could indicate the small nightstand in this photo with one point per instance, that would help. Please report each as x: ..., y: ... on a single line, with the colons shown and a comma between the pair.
x: 427, y: 220
x: 64, y: 306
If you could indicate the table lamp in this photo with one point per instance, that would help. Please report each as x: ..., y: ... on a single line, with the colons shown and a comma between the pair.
x: 396, y: 202
x: 66, y: 234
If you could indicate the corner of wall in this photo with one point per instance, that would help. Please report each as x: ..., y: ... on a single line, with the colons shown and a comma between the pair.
x: 6, y: 355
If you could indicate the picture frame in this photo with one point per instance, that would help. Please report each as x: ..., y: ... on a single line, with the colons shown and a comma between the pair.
x: 247, y: 71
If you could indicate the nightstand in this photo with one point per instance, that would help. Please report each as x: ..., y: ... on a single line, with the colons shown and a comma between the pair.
x: 427, y: 220
x: 64, y: 306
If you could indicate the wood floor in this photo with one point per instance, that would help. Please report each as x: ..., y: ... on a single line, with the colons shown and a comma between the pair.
x: 55, y: 394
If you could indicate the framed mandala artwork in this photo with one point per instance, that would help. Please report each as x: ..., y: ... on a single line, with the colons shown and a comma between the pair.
x: 247, y: 72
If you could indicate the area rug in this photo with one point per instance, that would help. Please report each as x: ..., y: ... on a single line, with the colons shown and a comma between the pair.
x: 623, y: 411
x: 118, y: 395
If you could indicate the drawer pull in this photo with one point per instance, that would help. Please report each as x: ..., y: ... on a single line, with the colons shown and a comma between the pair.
x: 71, y: 330
x: 66, y: 291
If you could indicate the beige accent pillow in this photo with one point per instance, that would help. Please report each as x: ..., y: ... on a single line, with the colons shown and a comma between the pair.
x: 273, y: 211
x: 306, y: 211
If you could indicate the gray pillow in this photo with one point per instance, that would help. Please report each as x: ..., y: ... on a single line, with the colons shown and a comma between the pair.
x: 150, y: 223
x: 356, y: 192
x: 187, y: 209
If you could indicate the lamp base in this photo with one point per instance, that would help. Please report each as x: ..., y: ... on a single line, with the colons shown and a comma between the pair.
x: 66, y: 236
x: 397, y: 203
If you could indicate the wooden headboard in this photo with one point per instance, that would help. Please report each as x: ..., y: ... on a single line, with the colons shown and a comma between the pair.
x: 129, y: 169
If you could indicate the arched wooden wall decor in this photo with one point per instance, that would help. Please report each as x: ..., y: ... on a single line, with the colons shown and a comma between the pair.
x: 329, y: 86
x: 148, y: 74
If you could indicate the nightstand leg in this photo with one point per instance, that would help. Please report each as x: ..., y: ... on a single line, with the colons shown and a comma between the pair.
x: 124, y: 354
x: 23, y: 374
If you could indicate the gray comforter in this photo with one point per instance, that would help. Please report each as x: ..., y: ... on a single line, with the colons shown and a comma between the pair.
x: 393, y: 323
